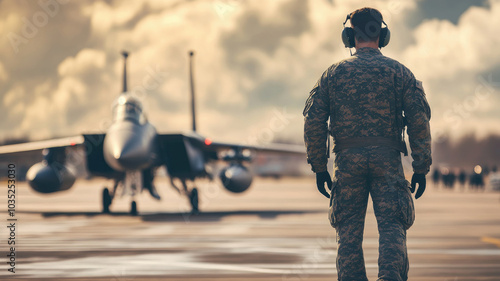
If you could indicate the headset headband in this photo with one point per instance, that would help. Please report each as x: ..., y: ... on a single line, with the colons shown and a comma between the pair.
x: 348, y: 34
x: 348, y: 17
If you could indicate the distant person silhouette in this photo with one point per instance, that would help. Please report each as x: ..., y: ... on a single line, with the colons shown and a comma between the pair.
x: 448, y: 179
x: 451, y: 180
x: 477, y: 179
x: 435, y: 177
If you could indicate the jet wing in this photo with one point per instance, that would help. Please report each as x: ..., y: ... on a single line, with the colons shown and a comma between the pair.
x: 185, y: 154
x: 83, y: 151
x: 207, y: 145
x: 274, y: 148
x: 39, y: 145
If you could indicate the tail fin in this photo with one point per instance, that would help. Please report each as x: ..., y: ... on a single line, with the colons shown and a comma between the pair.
x: 193, y: 108
x: 125, y: 55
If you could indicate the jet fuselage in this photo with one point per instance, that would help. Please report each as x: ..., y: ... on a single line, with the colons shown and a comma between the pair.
x: 130, y: 143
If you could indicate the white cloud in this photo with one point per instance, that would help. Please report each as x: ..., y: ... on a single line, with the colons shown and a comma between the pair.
x: 449, y: 49
x: 451, y: 59
x: 249, y: 60
x: 86, y: 60
x: 105, y: 17
x: 15, y: 93
x: 3, y: 73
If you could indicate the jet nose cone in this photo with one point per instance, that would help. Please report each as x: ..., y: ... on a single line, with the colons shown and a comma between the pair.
x: 129, y: 154
x: 124, y: 151
x: 129, y: 146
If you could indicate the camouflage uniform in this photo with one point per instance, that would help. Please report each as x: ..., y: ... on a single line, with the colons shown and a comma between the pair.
x: 365, y: 97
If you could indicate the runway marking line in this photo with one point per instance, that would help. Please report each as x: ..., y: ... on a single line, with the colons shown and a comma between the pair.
x: 491, y: 240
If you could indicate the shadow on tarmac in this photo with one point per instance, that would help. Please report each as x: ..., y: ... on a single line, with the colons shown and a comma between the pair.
x: 182, y: 217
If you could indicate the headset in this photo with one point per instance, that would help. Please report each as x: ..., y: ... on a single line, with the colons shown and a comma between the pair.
x: 348, y: 35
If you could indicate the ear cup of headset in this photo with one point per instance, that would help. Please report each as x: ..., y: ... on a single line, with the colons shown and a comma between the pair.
x: 385, y: 37
x: 348, y: 37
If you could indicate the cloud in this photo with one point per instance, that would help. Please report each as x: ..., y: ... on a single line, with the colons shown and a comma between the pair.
x: 13, y: 96
x: 85, y: 61
x: 3, y: 73
x: 251, y: 59
x: 454, y: 61
x: 449, y: 10
x: 449, y: 49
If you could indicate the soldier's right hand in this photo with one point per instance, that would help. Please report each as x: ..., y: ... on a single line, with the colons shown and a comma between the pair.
x: 321, y: 179
x: 420, y: 179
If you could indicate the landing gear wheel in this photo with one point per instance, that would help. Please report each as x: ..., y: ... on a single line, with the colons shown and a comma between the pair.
x: 133, y: 208
x: 106, y: 200
x: 193, y: 199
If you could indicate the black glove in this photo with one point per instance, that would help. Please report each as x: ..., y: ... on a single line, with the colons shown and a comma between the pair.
x: 321, y: 179
x: 420, y: 179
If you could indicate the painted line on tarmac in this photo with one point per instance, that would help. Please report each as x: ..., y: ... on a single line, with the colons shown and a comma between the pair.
x: 491, y: 240
x: 464, y: 252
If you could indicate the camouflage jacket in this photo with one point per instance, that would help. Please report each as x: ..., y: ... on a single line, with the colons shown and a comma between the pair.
x: 365, y: 96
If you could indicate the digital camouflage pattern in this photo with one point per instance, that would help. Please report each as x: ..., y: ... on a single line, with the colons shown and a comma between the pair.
x: 376, y: 171
x: 364, y: 96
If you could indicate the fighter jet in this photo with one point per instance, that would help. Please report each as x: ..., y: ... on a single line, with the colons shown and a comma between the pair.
x: 131, y: 150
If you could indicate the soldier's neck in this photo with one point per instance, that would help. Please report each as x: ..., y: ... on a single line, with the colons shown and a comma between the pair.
x: 369, y: 44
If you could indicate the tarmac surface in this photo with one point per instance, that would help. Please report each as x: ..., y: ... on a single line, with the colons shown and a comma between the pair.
x: 277, y: 230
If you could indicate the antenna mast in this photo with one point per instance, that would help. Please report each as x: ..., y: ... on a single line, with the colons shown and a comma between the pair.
x: 125, y: 56
x: 193, y: 108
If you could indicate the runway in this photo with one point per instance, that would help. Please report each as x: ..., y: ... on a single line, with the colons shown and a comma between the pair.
x: 278, y: 230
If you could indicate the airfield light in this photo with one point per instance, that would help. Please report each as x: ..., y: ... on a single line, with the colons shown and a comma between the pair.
x: 478, y: 169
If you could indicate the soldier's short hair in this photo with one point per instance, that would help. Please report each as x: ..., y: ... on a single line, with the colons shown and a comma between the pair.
x: 367, y: 23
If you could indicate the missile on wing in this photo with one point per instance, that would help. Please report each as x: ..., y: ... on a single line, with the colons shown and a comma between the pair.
x: 236, y: 178
x: 49, y: 178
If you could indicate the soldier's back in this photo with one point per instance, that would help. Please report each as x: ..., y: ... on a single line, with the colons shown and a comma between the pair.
x: 366, y: 93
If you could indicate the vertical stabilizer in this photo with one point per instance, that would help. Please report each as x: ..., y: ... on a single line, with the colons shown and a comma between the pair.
x: 125, y: 56
x: 191, y: 79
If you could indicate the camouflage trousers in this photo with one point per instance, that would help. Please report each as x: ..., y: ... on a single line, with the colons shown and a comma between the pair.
x: 378, y: 172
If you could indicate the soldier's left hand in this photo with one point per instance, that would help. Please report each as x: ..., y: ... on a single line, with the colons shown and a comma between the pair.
x: 321, y: 179
x: 420, y: 179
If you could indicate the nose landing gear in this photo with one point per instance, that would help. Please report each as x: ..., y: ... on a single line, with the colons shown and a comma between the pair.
x: 129, y: 187
x: 133, y: 208
x: 106, y: 200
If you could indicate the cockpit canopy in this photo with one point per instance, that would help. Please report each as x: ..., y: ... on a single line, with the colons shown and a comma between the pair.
x: 128, y: 107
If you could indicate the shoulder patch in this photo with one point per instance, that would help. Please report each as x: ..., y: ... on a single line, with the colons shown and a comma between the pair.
x: 310, y: 100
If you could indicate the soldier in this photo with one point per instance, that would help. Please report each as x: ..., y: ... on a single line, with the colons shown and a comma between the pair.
x: 367, y: 98
x: 435, y: 177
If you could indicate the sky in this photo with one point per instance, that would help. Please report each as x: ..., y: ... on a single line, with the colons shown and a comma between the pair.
x: 255, y: 63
